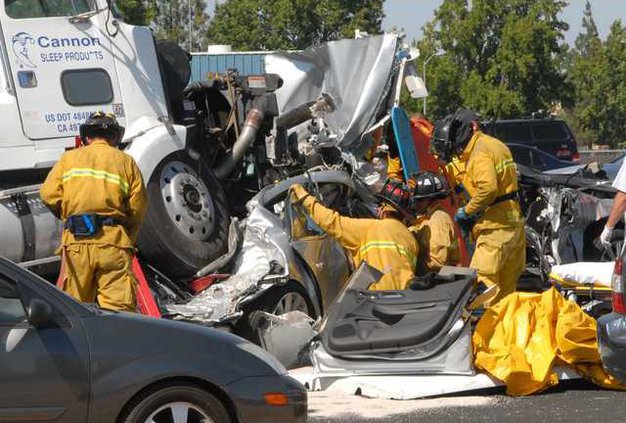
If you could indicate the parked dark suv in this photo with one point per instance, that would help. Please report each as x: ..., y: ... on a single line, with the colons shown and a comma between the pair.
x: 550, y: 135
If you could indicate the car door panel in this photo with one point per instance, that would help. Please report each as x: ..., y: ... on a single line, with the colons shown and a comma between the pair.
x: 45, y: 371
x: 328, y: 261
x: 324, y: 256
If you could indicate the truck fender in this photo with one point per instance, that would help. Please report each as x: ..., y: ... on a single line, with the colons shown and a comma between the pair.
x: 157, y: 143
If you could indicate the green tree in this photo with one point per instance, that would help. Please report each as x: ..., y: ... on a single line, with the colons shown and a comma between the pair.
x: 501, y: 58
x: 136, y: 12
x: 172, y: 22
x: 291, y: 24
x: 587, y: 72
x: 612, y: 129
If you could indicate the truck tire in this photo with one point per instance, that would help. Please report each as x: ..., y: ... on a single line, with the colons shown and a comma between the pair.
x: 186, y: 224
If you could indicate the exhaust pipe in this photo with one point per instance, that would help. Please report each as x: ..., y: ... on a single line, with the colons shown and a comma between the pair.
x: 251, y: 126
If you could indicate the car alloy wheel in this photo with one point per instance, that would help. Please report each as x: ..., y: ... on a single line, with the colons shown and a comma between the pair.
x: 179, y: 412
x: 291, y: 301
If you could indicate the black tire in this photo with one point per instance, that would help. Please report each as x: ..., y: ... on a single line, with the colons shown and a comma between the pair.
x: 247, y: 327
x: 163, y: 240
x: 159, y: 398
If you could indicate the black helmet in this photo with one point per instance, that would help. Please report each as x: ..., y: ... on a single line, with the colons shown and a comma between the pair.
x: 103, y: 125
x: 397, y: 193
x: 428, y: 184
x: 440, y: 141
x: 452, y: 134
x: 463, y: 129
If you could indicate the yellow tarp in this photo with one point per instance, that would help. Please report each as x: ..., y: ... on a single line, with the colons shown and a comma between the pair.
x: 522, y: 337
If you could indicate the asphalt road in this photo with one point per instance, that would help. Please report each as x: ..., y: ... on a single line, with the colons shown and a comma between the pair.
x: 570, y: 401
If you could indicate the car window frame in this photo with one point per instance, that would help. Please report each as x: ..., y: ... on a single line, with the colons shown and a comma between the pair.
x: 23, y: 324
x: 32, y: 286
x: 291, y: 218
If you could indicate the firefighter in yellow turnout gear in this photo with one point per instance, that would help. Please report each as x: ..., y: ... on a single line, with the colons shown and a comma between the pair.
x: 483, y: 167
x: 99, y: 194
x: 385, y: 244
x: 434, y: 228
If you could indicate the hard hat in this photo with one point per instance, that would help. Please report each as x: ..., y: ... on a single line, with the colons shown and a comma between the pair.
x: 452, y: 134
x: 104, y: 125
x: 428, y: 184
x: 441, y: 141
x: 397, y: 193
x: 464, y: 120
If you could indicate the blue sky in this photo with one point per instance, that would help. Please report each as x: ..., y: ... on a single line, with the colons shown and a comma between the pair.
x: 413, y: 14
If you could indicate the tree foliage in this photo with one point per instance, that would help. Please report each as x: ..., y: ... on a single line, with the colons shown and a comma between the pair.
x: 501, y: 58
x: 136, y: 12
x: 597, y: 71
x: 291, y: 24
x: 172, y: 21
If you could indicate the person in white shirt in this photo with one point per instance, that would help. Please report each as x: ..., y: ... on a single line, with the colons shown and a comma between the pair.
x: 619, y: 206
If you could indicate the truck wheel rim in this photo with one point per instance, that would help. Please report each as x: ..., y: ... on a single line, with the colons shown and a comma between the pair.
x: 187, y: 201
x: 179, y: 412
x: 291, y: 301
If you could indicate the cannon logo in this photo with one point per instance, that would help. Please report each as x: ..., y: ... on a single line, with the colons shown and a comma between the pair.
x: 21, y: 43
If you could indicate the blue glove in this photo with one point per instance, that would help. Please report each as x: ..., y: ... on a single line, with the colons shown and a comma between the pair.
x: 461, y: 215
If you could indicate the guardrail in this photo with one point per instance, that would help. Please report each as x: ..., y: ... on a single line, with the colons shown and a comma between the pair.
x: 599, y: 156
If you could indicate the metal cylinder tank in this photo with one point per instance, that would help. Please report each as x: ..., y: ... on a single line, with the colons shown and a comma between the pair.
x: 28, y: 231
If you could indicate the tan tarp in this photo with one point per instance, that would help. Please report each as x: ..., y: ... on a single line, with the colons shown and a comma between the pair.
x: 522, y: 337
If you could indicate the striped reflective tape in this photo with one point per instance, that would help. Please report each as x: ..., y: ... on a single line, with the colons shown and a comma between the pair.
x: 387, y: 245
x: 500, y: 167
x: 96, y: 174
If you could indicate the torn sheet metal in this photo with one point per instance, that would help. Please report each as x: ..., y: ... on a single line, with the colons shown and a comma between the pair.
x: 285, y: 336
x: 260, y: 260
x: 234, y: 239
x: 355, y: 73
x: 570, y: 212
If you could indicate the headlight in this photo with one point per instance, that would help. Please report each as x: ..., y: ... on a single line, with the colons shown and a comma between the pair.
x: 264, y: 356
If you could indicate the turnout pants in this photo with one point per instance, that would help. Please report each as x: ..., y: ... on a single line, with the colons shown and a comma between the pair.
x: 100, y: 273
x: 500, y: 258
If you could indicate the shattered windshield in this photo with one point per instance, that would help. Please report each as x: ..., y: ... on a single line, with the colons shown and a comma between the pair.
x: 23, y: 9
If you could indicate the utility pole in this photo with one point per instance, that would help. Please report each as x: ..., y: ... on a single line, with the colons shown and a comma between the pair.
x: 438, y: 53
x: 189, y: 25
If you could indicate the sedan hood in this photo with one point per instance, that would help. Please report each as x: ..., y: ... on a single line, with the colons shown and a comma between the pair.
x: 121, y: 339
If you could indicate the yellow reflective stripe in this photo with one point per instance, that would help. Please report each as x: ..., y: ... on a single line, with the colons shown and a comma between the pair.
x: 388, y: 245
x: 504, y: 165
x: 96, y: 174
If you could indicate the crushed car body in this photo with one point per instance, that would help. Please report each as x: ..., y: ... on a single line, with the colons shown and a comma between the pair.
x: 326, y: 106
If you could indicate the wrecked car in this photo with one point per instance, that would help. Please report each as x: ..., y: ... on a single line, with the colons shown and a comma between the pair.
x: 565, y: 214
x: 285, y: 262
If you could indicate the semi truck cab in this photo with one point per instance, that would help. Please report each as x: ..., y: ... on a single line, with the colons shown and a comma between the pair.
x: 62, y: 61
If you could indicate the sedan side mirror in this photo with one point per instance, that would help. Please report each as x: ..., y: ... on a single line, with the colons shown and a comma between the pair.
x: 39, y: 313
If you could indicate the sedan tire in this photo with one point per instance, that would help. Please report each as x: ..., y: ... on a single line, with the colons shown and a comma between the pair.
x: 277, y: 300
x: 177, y: 404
